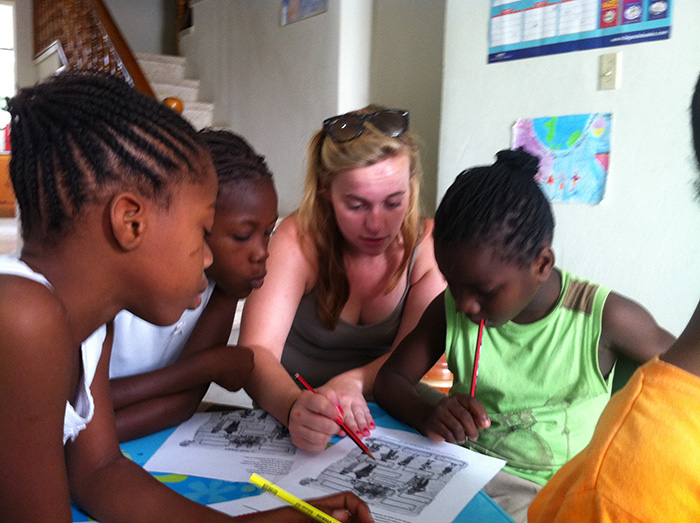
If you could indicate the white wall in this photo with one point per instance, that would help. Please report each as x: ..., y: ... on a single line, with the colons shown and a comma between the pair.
x: 406, y: 73
x: 272, y: 84
x: 354, y: 55
x: 643, y: 240
x: 275, y: 85
x: 148, y: 26
x: 24, y: 43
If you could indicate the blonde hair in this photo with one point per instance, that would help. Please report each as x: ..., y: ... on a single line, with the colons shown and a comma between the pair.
x: 316, y: 219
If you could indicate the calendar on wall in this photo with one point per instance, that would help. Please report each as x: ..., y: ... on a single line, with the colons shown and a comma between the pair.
x: 528, y: 28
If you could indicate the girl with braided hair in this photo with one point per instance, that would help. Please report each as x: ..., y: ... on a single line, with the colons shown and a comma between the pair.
x: 549, y: 340
x: 116, y: 197
x: 159, y: 375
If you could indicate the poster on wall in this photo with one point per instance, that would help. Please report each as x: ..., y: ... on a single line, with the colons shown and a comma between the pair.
x: 527, y: 28
x: 295, y: 10
x: 574, y: 153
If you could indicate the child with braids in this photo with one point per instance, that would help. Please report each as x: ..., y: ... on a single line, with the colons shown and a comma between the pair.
x: 116, y: 197
x: 550, y: 339
x: 158, y: 375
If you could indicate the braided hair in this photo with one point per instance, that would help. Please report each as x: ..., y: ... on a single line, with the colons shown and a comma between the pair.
x: 501, y: 206
x: 235, y: 161
x: 82, y: 136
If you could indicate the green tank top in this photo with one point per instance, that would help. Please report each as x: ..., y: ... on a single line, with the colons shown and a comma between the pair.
x: 540, y: 383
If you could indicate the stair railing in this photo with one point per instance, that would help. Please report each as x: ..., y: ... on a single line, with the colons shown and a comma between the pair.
x: 88, y: 37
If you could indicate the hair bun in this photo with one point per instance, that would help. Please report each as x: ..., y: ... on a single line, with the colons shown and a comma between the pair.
x: 518, y: 160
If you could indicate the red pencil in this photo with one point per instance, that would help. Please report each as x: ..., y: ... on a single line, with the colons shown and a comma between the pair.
x: 339, y: 421
x: 475, y: 370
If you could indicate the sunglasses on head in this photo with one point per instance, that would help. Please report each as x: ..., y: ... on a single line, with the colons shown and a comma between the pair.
x: 346, y: 127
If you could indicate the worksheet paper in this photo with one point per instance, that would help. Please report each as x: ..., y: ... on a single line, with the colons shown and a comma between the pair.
x: 229, y: 446
x: 413, y: 479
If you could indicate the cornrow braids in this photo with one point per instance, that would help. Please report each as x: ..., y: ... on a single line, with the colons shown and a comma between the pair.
x: 234, y: 159
x: 81, y: 136
x: 500, y: 205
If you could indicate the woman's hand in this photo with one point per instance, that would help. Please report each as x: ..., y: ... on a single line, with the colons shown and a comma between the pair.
x: 346, y: 390
x: 314, y: 417
x: 456, y: 419
x: 312, y: 420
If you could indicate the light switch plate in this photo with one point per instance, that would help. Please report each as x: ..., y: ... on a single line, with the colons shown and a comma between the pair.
x: 608, y: 72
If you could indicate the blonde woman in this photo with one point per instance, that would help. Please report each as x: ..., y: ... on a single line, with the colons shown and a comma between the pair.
x: 349, y: 275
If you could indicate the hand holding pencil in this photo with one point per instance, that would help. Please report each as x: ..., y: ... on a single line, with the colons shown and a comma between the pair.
x: 344, y: 507
x: 313, y: 417
x: 339, y: 419
x: 460, y: 417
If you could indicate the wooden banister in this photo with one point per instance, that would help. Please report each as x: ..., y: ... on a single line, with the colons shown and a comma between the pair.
x: 122, y: 49
x: 89, y: 38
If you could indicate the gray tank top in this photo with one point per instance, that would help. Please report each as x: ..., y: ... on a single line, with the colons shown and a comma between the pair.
x: 319, y: 353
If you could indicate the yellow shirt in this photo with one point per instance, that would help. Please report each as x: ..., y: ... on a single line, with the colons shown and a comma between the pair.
x: 643, y: 463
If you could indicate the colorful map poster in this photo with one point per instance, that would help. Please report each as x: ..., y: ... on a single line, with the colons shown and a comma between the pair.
x: 527, y: 28
x: 295, y: 10
x: 574, y: 153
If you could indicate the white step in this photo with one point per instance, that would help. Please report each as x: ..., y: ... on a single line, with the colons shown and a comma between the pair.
x: 162, y: 68
x: 199, y: 114
x: 166, y: 74
x: 186, y: 90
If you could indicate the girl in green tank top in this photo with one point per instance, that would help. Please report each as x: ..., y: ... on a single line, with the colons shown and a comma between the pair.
x: 550, y: 339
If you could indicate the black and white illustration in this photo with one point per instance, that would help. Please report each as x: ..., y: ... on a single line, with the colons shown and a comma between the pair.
x: 413, y: 479
x: 403, y: 479
x: 245, y: 430
x: 227, y: 445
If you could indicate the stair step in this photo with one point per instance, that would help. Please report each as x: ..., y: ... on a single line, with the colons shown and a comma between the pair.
x: 166, y: 74
x: 199, y: 117
x: 165, y: 58
x: 186, y: 90
x: 162, y: 68
x: 199, y: 106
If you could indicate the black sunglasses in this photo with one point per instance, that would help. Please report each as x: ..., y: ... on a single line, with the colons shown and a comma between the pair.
x: 346, y: 127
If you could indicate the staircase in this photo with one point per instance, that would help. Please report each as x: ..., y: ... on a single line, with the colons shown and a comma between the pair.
x: 166, y: 74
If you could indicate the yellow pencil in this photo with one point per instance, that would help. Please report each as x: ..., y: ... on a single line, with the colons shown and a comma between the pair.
x: 300, y: 505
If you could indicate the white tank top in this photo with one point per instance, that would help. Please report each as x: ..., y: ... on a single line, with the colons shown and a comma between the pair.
x: 79, y: 415
x: 139, y: 346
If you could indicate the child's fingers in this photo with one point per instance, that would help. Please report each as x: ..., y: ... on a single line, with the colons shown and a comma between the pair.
x: 476, y: 409
x: 460, y: 426
x: 458, y: 418
x: 444, y: 424
x: 456, y: 425
x: 344, y: 506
